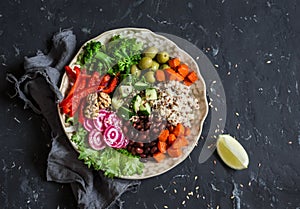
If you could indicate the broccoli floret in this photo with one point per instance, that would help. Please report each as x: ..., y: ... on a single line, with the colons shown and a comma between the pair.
x: 90, y: 49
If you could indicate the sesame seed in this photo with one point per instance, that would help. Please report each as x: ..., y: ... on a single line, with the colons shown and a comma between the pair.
x: 187, y: 197
x: 175, y: 191
x: 165, y: 206
x: 290, y: 142
x: 237, y: 114
x: 196, y: 177
x: 197, y: 187
x: 184, y: 188
x: 183, y: 202
x: 269, y: 61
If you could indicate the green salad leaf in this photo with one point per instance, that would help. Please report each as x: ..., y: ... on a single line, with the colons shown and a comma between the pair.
x: 114, y: 162
x: 117, y: 56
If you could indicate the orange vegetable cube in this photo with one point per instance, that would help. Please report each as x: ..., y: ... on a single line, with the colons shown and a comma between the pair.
x: 159, y: 156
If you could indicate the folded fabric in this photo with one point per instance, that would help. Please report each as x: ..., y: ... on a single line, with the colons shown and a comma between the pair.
x: 38, y: 88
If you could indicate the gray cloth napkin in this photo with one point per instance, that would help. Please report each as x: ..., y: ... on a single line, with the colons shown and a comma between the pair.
x: 38, y: 87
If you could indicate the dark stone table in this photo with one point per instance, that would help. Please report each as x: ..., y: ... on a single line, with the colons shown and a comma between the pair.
x: 254, y: 46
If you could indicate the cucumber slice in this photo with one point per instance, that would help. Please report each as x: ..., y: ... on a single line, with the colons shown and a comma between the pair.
x: 140, y: 86
x: 151, y: 94
x: 124, y: 113
x: 116, y: 102
x: 125, y: 90
x: 137, y: 103
x: 145, y: 109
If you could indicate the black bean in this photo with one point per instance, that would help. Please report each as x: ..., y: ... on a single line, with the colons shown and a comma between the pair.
x: 153, y: 143
x: 139, y: 150
x: 153, y: 150
x: 143, y: 137
x: 147, y: 150
x: 143, y: 155
x: 138, y: 126
x: 139, y: 144
x: 125, y: 129
x: 155, y: 130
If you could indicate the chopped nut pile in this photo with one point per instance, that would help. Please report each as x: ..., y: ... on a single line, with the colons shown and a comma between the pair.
x: 95, y: 102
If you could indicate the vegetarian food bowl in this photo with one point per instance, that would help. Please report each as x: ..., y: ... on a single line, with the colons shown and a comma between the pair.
x: 134, y: 103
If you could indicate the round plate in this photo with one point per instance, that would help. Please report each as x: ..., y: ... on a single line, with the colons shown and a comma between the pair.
x: 148, y: 39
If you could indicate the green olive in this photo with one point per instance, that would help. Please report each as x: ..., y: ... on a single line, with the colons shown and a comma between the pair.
x: 164, y: 66
x: 145, y: 63
x: 150, y: 52
x: 155, y: 65
x: 134, y: 70
x: 162, y: 57
x: 150, y: 77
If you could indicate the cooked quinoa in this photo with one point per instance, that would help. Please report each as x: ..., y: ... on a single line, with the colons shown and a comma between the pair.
x: 176, y: 103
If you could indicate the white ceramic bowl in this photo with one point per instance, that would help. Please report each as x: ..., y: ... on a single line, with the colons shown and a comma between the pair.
x: 148, y: 39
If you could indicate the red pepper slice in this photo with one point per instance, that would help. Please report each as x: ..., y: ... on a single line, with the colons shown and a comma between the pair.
x: 112, y: 84
x: 95, y: 79
x: 78, y: 85
x: 81, y: 114
x: 70, y: 73
x: 105, y: 80
x: 79, y: 96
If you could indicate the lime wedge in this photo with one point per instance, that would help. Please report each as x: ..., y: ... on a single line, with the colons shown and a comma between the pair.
x: 232, y: 152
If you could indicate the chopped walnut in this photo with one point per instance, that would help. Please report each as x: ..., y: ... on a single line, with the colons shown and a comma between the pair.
x: 92, y: 109
x: 104, y: 100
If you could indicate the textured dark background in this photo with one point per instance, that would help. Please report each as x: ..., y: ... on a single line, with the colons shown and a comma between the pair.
x: 255, y: 48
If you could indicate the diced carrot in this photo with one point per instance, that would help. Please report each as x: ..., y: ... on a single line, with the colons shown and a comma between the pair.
x: 192, y: 76
x: 171, y: 74
x: 160, y: 75
x: 180, y: 142
x: 183, y: 141
x: 183, y: 70
x: 173, y: 63
x: 162, y: 146
x: 174, y: 75
x: 179, y: 77
x: 159, y: 156
x: 179, y: 130
x: 187, y: 131
x: 171, y: 139
x: 187, y: 82
x: 163, y: 136
x: 172, y: 152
